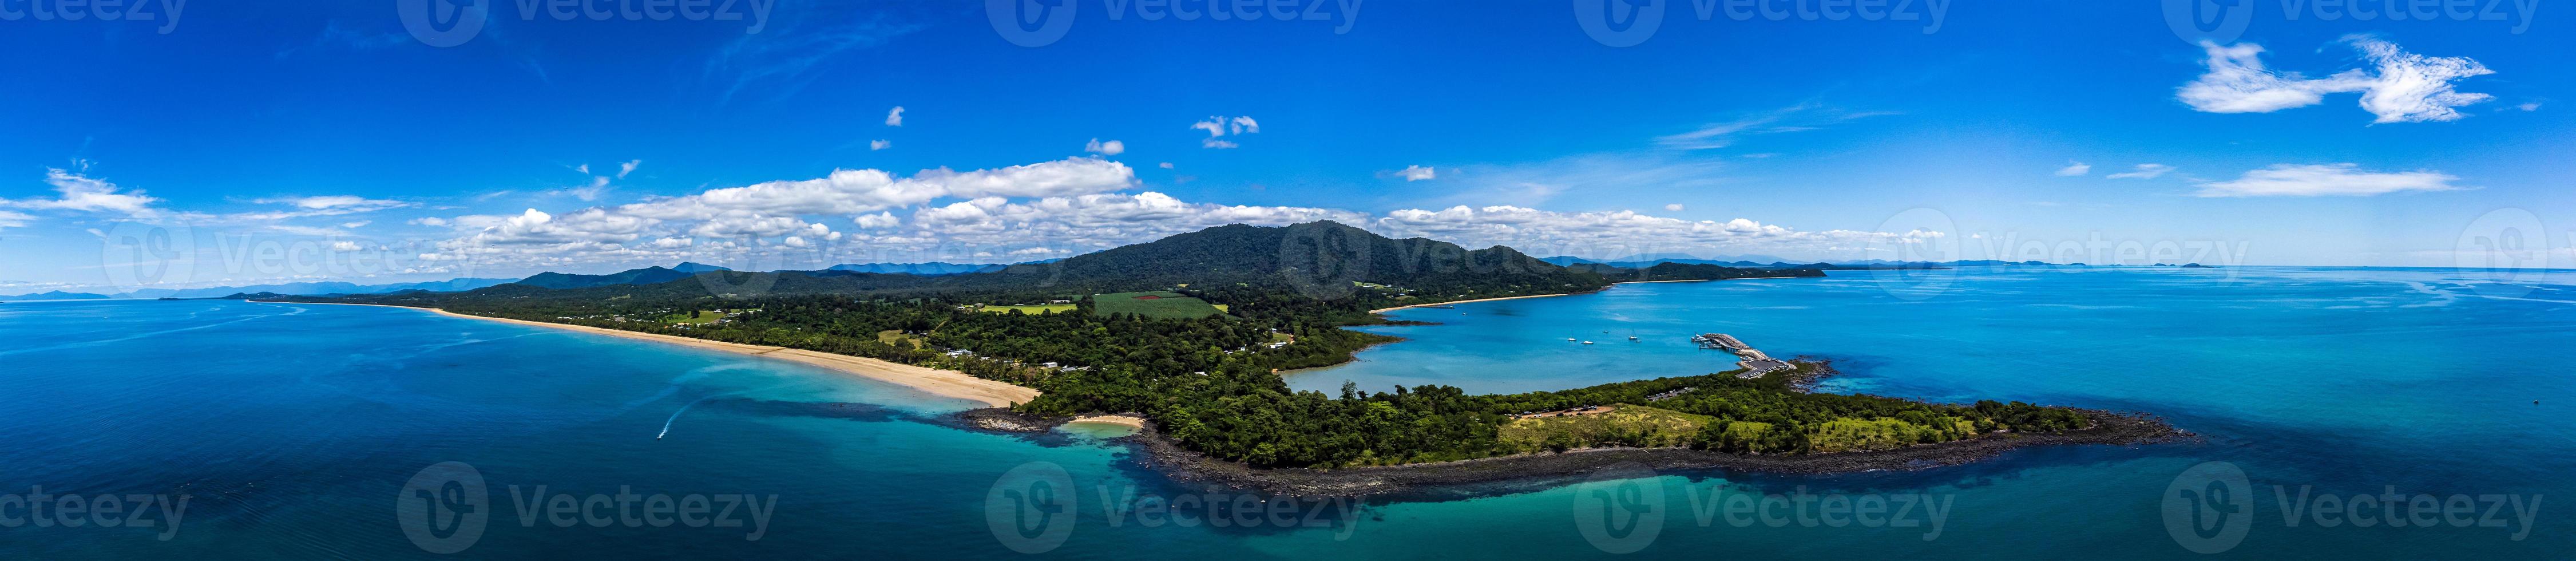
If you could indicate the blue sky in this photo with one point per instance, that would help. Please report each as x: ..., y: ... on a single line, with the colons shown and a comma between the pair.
x: 325, y: 140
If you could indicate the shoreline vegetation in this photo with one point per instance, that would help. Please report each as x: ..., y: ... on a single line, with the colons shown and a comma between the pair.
x: 1283, y: 297
x: 1542, y: 469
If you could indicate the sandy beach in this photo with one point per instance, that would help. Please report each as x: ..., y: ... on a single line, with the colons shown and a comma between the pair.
x: 939, y: 382
x: 1120, y: 420
x: 1385, y: 310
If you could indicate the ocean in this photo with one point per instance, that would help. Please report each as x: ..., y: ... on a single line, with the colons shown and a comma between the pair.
x: 2333, y: 405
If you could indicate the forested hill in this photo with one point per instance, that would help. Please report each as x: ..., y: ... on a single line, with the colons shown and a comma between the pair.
x: 1325, y: 260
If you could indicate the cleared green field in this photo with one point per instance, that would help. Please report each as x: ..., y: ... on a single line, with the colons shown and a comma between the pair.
x: 1156, y: 304
x: 1032, y: 309
x: 1628, y: 425
x: 704, y: 316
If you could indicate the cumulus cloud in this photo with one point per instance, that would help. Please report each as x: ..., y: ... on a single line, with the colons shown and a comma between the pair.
x: 1613, y: 233
x: 771, y: 209
x: 1675, y: 207
x: 1416, y: 173
x: 2143, y: 171
x: 879, y: 144
x: 1105, y: 148
x: 2073, y: 169
x: 2347, y: 180
x: 894, y: 117
x: 2398, y: 87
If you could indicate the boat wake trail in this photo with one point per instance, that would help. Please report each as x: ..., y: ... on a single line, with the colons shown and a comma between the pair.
x: 675, y: 415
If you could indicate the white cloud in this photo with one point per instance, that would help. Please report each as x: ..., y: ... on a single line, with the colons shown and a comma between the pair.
x: 1416, y: 173
x: 1218, y: 126
x: 894, y: 117
x: 81, y: 193
x: 2349, y: 180
x: 346, y: 246
x: 429, y: 221
x: 879, y: 144
x: 2535, y: 106
x: 2073, y: 169
x: 1796, y: 118
x: 2144, y: 171
x: 13, y: 219
x: 356, y: 225
x: 628, y: 167
x: 1105, y: 148
x: 878, y: 220
x: 1608, y: 234
x: 2400, y: 87
x: 1675, y: 207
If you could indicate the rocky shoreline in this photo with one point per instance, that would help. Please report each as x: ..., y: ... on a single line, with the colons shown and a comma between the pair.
x: 1522, y: 473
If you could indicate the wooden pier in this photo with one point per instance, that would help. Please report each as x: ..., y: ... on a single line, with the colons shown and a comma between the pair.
x: 1755, y: 363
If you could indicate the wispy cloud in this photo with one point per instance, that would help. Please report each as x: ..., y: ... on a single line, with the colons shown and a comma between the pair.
x: 2073, y: 169
x: 2346, y: 180
x: 779, y: 63
x: 1797, y: 118
x: 2143, y: 171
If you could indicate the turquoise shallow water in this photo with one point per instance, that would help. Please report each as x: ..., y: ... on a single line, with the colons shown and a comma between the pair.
x: 293, y: 430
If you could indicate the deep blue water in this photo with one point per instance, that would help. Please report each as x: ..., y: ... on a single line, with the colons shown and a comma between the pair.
x: 294, y: 430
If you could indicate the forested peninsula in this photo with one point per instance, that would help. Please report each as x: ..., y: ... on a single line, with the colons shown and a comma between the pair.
x: 1191, y: 332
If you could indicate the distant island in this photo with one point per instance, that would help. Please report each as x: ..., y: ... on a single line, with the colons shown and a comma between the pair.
x: 1190, y: 332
